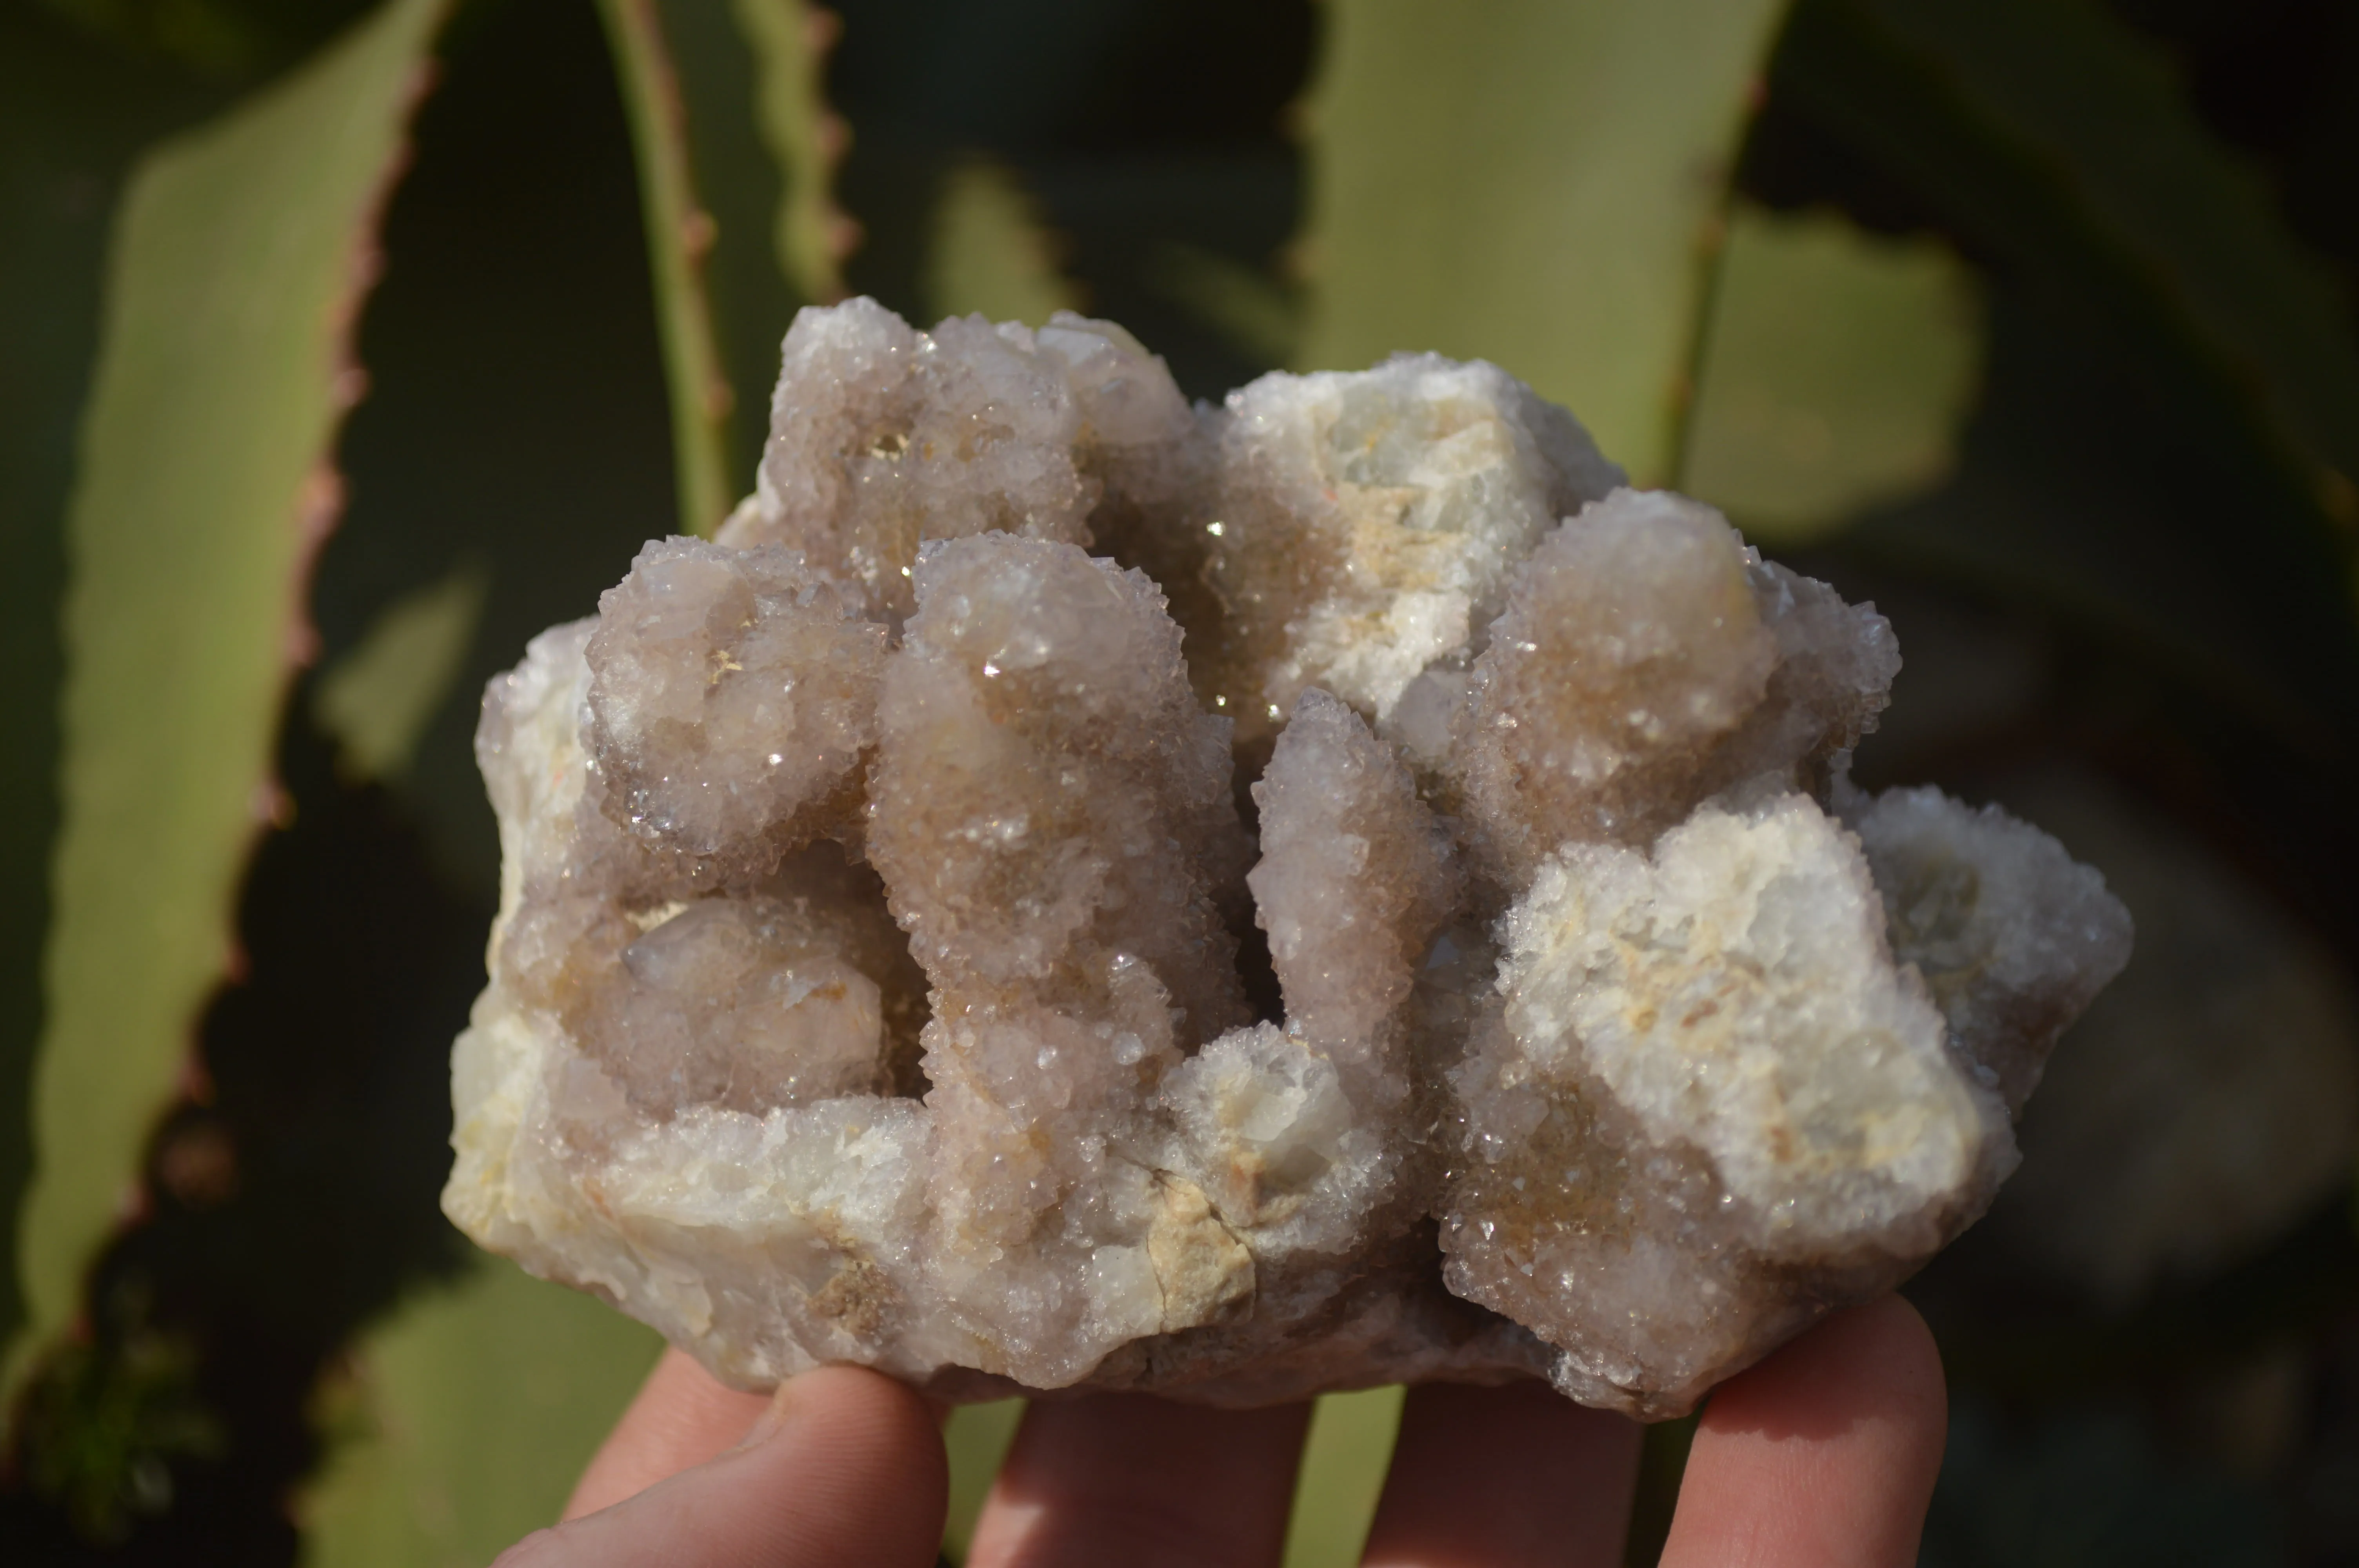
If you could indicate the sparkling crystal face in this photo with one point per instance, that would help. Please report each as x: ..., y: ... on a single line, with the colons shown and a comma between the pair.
x: 1326, y: 889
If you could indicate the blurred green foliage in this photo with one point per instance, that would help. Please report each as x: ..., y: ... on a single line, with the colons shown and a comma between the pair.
x: 121, y: 1416
x: 203, y: 489
x: 471, y: 1416
x: 978, y: 1437
x: 1836, y: 369
x: 378, y: 698
x: 1469, y: 163
x: 232, y: 42
x: 2032, y: 321
x: 1343, y: 1461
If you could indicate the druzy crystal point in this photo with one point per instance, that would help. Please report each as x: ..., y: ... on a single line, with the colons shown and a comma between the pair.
x: 1075, y: 891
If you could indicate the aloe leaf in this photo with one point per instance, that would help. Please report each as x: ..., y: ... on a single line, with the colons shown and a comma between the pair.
x: 1253, y: 312
x: 238, y: 263
x: 73, y: 116
x: 2057, y: 138
x: 989, y: 249
x: 2153, y: 328
x: 734, y: 152
x: 470, y: 1416
x: 760, y: 146
x: 977, y: 1437
x: 679, y: 234
x: 378, y: 698
x: 808, y: 234
x: 1837, y: 369
x: 1532, y: 182
x: 1343, y: 1475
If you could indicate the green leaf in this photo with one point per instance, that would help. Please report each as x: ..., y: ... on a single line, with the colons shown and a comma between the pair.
x: 989, y: 251
x: 1838, y: 367
x: 238, y: 266
x: 477, y: 1409
x: 2150, y: 318
x: 107, y: 1425
x: 733, y: 149
x: 1532, y: 182
x: 760, y: 147
x: 2059, y: 138
x: 680, y: 232
x: 1255, y: 313
x: 378, y: 699
x: 978, y: 1437
x: 221, y: 41
x: 808, y: 234
x: 1343, y: 1474
x: 516, y: 413
x: 73, y: 116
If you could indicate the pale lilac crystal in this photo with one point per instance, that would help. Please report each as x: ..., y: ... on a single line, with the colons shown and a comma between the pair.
x: 1647, y: 659
x: 732, y: 699
x: 877, y: 919
x: 883, y: 436
x: 1047, y: 807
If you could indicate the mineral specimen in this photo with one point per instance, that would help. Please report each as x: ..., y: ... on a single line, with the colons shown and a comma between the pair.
x: 891, y: 970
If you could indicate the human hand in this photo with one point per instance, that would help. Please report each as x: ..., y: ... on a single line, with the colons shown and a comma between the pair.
x: 1822, y: 1456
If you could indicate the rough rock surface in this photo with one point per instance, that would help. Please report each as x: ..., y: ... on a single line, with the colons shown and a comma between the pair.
x: 881, y: 436
x: 1704, y: 1100
x: 871, y: 981
x: 1360, y: 531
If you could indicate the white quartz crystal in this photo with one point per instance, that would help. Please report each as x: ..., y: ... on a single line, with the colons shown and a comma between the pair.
x: 878, y: 924
x: 2013, y: 938
x: 1704, y: 1072
x: 1360, y: 530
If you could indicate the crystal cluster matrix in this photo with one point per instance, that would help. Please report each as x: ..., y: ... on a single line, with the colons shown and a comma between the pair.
x: 1073, y: 890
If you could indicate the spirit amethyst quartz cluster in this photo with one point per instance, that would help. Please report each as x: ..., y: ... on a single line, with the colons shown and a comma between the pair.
x: 1077, y: 891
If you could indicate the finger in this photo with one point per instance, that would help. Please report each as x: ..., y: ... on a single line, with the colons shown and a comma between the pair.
x: 1502, y: 1479
x: 682, y: 1418
x: 1823, y: 1456
x: 1139, y: 1481
x: 845, y: 1469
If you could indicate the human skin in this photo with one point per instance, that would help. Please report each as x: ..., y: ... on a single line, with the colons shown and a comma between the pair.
x: 1822, y: 1456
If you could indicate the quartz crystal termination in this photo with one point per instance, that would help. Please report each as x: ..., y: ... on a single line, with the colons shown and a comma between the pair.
x: 883, y: 884
x: 1050, y: 812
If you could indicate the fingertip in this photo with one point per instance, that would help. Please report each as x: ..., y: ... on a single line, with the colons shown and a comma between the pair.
x: 1872, y: 1363
x: 873, y: 1424
x: 680, y: 1417
x: 1134, y: 1479
x: 870, y: 1444
x: 1823, y: 1456
x: 845, y: 1469
x: 1504, y: 1478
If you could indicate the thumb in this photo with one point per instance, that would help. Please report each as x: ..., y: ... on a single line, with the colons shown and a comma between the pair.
x: 844, y: 1469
